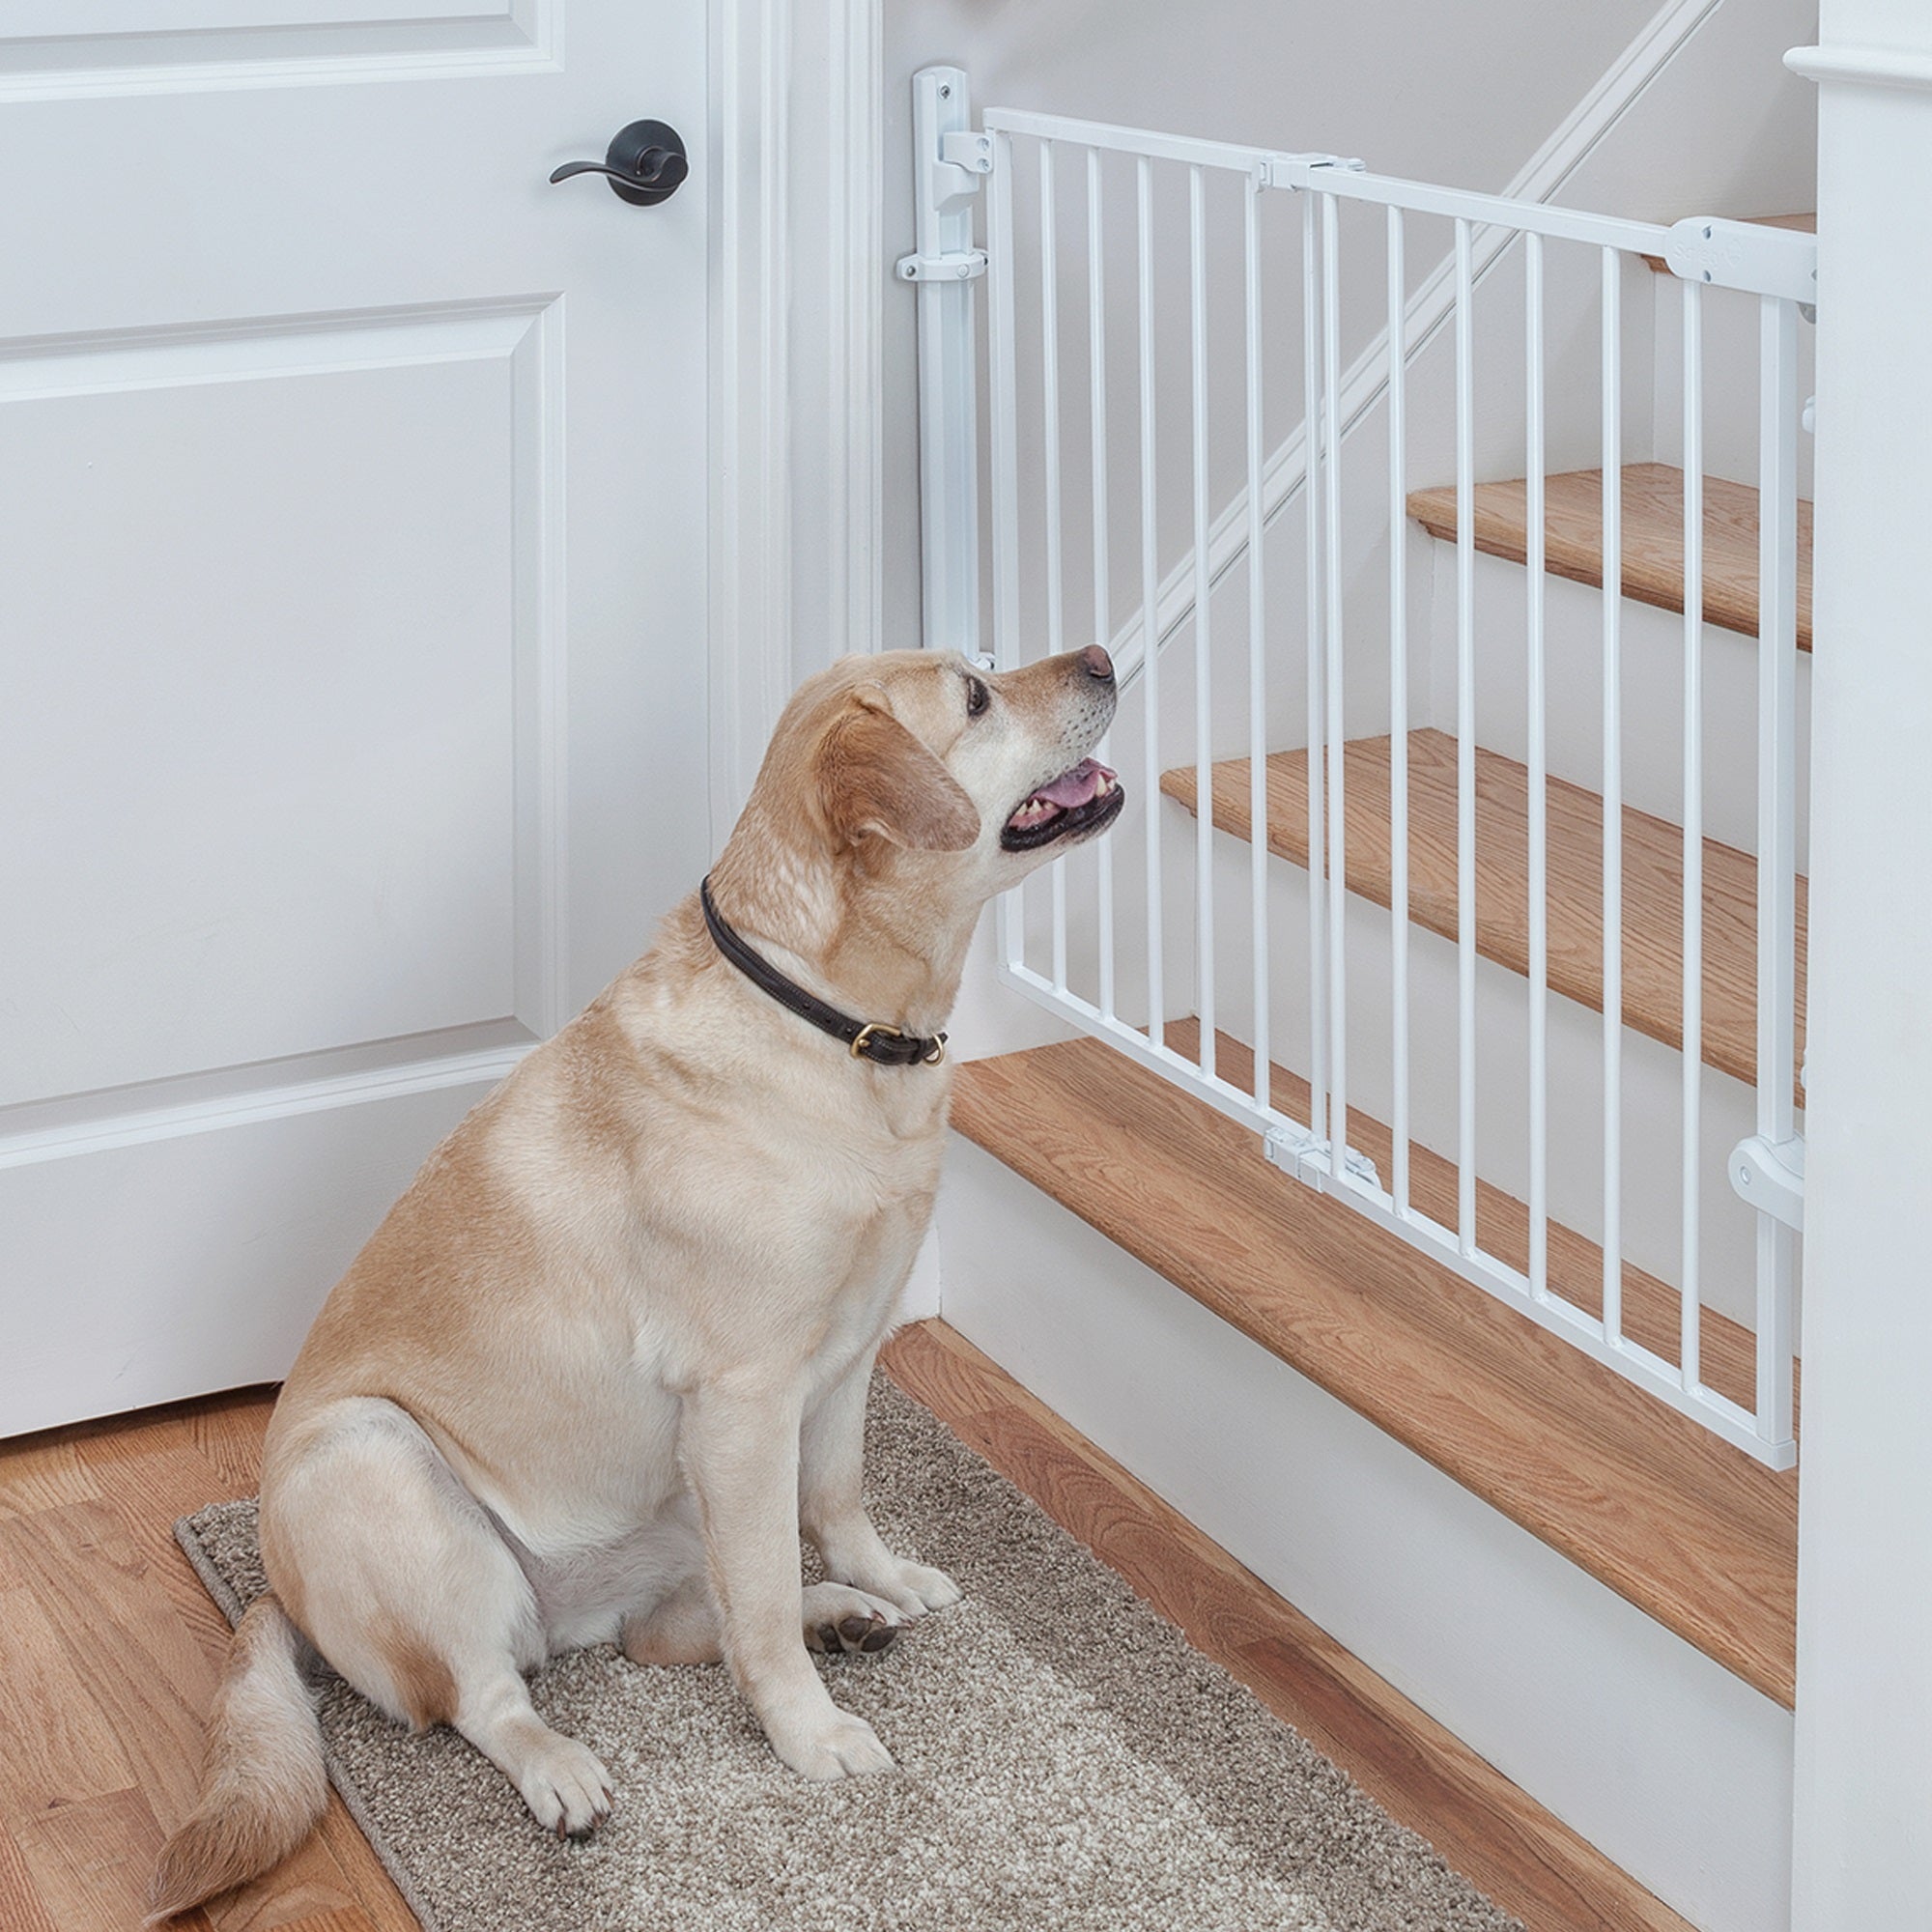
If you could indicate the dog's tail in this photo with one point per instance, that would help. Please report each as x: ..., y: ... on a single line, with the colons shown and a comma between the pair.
x: 264, y: 1785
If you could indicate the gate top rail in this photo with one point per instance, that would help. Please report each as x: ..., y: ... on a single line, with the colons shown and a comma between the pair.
x: 1732, y: 254
x: 1108, y: 138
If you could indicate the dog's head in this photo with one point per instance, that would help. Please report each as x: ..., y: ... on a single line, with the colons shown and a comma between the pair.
x: 918, y: 760
x: 901, y: 792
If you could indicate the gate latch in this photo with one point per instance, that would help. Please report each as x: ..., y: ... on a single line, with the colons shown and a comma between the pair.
x: 1307, y: 1156
x: 1294, y: 170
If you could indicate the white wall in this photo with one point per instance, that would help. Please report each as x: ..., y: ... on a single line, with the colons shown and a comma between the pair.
x: 1864, y: 1826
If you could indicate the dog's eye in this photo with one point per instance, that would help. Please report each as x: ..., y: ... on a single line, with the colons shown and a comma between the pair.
x: 977, y: 696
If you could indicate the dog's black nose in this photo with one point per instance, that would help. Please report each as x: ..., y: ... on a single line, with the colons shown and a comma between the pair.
x: 1096, y: 663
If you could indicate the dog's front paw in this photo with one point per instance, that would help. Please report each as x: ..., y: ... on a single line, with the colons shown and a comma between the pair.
x: 567, y: 1787
x: 843, y: 1746
x: 913, y: 1588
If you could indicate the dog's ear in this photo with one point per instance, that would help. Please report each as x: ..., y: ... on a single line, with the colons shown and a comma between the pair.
x: 875, y: 777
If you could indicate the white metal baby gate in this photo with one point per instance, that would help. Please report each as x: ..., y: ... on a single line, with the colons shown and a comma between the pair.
x: 1310, y: 484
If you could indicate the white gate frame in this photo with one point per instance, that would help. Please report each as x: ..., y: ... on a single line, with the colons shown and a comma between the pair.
x: 1780, y: 268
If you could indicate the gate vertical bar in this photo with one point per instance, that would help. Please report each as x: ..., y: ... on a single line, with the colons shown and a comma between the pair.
x: 1005, y: 414
x: 1538, y: 594
x: 1149, y: 597
x: 1050, y: 432
x: 1398, y: 510
x: 1257, y: 768
x: 1204, y: 753
x: 1096, y: 369
x: 1613, y: 793
x: 1690, y: 1329
x: 1311, y: 494
x: 1466, y: 746
x: 1777, y: 834
x: 1336, y: 688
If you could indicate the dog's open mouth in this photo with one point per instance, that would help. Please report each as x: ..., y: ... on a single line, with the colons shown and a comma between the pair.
x: 1081, y: 799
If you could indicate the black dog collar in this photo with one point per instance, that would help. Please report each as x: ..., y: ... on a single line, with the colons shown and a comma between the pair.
x: 868, y: 1039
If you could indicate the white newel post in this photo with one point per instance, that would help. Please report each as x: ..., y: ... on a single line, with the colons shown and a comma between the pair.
x: 1863, y: 1784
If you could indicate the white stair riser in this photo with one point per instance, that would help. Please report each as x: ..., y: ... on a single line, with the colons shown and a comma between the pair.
x: 1652, y: 652
x: 1731, y: 404
x: 1651, y: 647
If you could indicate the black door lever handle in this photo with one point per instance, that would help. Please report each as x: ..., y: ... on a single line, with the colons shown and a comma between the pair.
x: 645, y: 163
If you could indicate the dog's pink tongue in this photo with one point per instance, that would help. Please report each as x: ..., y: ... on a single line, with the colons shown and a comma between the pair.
x: 1077, y: 786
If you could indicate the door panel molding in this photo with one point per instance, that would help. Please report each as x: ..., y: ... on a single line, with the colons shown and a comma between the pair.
x: 141, y: 47
x: 469, y: 912
x: 227, y: 1097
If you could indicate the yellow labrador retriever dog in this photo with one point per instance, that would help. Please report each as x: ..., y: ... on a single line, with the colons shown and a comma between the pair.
x: 610, y: 1352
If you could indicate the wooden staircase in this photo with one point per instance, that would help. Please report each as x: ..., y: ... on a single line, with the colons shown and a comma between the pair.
x: 1695, y: 1532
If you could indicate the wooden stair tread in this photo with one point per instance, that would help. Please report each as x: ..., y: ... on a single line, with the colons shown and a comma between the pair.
x: 1803, y: 224
x: 1652, y: 537
x: 1690, y: 1529
x: 1727, y: 1352
x: 1653, y: 859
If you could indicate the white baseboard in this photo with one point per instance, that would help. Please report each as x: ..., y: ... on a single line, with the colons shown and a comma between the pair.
x: 1676, y: 1770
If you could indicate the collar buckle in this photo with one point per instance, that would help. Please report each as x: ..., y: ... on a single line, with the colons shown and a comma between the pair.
x: 876, y: 1040
x: 872, y: 1027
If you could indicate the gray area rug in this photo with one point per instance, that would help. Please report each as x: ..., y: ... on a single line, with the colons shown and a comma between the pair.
x: 1066, y: 1763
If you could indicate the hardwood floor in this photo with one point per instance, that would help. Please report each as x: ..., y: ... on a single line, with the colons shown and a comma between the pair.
x: 109, y: 1650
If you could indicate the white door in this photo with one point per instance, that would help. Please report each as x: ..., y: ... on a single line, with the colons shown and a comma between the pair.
x: 352, y: 627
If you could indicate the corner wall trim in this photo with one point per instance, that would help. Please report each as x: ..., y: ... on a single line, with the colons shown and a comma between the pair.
x: 796, y: 306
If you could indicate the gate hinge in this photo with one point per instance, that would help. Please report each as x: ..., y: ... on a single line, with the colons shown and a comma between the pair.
x: 1769, y: 1177
x: 1294, y: 170
x: 1306, y: 1156
x: 969, y: 150
x: 962, y: 265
